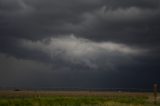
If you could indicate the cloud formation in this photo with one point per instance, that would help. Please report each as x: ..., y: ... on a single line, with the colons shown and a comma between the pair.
x: 123, y: 21
x: 79, y: 50
x: 76, y: 35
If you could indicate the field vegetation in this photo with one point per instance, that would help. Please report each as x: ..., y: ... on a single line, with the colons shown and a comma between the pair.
x: 75, y: 98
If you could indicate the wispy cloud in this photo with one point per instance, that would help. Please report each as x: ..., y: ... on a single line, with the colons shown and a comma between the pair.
x: 79, y: 50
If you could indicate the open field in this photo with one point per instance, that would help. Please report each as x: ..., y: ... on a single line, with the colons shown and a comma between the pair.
x: 75, y: 98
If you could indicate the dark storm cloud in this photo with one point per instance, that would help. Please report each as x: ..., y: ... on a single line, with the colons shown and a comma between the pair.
x: 38, y: 19
x: 89, y: 35
x: 32, y: 74
x: 130, y: 25
x: 124, y: 21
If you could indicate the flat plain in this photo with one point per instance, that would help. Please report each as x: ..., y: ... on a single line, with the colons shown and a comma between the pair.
x: 76, y: 98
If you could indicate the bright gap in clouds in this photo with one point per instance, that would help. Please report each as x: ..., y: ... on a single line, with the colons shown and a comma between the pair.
x: 79, y: 50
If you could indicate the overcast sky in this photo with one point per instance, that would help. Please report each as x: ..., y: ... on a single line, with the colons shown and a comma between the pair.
x: 79, y: 43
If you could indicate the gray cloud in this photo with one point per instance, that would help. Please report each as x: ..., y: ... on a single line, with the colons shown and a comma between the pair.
x: 107, y: 19
x: 21, y: 72
x: 31, y: 74
x: 107, y: 35
x: 83, y: 51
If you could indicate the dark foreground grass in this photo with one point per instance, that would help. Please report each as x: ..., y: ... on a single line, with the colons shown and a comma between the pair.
x: 74, y: 101
x: 67, y: 100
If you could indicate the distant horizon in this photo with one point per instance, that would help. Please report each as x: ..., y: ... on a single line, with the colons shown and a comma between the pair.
x: 78, y: 89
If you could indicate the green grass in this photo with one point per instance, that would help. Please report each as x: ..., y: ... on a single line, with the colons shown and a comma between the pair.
x: 63, y: 99
x: 74, y: 101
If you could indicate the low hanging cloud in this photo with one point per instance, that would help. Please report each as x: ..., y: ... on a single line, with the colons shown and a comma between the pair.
x: 119, y: 15
x: 131, y: 13
x: 77, y: 50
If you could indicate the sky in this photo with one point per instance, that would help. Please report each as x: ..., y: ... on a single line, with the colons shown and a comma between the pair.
x: 79, y: 43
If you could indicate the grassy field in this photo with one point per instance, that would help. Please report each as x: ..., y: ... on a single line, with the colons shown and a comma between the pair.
x: 75, y: 98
